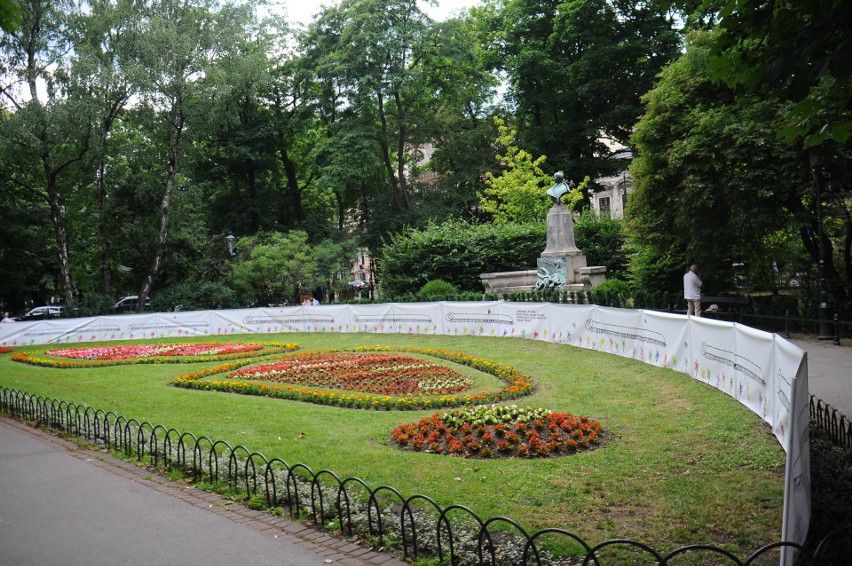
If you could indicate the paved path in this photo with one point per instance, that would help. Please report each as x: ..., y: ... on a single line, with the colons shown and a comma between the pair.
x: 63, y: 505
x: 829, y: 372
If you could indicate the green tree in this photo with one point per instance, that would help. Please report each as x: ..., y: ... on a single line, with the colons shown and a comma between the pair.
x: 233, y: 154
x: 333, y: 261
x: 178, y: 48
x: 576, y: 71
x: 713, y: 184
x: 272, y: 267
x: 518, y: 193
x: 459, y: 125
x: 10, y: 15
x: 99, y: 71
x: 800, y: 47
x: 49, y: 132
x: 380, y: 54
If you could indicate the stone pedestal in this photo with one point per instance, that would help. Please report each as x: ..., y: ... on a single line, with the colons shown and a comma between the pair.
x: 508, y: 281
x: 561, y: 260
x: 560, y: 233
x: 561, y: 266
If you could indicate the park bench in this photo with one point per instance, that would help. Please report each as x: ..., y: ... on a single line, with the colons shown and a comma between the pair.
x: 727, y: 308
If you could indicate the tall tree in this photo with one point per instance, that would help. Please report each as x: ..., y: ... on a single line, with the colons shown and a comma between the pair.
x: 177, y: 49
x: 576, y: 70
x: 100, y: 72
x: 53, y: 128
x: 459, y: 125
x: 713, y: 183
x: 237, y: 143
x: 801, y: 47
x: 381, y: 50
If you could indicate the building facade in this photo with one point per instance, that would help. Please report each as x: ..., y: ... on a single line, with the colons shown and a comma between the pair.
x: 611, y: 200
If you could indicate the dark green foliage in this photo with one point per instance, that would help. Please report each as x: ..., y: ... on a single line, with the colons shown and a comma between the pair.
x: 576, y: 71
x: 436, y: 288
x: 194, y: 295
x: 457, y: 252
x: 28, y: 270
x: 612, y: 292
x: 831, y: 503
x: 91, y: 304
x: 602, y: 239
x: 713, y: 184
x: 800, y: 49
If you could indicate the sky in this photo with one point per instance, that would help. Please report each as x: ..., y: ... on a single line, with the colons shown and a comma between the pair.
x: 303, y: 10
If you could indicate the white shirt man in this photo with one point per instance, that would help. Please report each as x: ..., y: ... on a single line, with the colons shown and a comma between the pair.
x: 692, y: 291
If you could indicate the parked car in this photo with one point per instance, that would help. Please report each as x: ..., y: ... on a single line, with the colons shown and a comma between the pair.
x: 42, y: 313
x: 129, y: 303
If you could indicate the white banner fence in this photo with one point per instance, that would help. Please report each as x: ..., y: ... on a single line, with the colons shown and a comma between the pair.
x: 762, y: 371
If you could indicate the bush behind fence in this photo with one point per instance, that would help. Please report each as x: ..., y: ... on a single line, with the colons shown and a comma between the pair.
x: 424, y: 529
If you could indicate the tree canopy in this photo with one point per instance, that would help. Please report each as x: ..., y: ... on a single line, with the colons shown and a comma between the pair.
x: 134, y: 136
x: 714, y: 185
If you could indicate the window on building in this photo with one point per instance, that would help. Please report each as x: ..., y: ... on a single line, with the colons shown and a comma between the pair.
x: 603, y: 205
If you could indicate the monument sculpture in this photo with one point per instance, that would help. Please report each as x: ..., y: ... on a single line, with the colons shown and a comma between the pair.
x: 561, y: 266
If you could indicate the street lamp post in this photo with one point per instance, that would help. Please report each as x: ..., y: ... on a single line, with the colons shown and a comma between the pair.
x: 815, y: 159
x: 231, y: 239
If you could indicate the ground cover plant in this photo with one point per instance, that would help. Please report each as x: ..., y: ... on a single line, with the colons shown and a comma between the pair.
x: 685, y: 463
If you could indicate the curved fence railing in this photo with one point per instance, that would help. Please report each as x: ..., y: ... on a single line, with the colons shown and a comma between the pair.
x: 454, y: 534
x: 834, y: 424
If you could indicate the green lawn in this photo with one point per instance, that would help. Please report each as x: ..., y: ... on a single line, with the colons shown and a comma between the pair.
x: 683, y: 463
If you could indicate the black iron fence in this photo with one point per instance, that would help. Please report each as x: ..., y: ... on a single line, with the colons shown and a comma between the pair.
x: 454, y: 534
x: 832, y: 423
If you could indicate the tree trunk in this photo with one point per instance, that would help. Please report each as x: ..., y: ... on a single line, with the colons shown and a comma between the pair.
x: 59, y: 233
x: 254, y: 220
x: 383, y: 142
x: 174, y: 155
x: 400, y: 155
x: 106, y: 271
x: 292, y: 183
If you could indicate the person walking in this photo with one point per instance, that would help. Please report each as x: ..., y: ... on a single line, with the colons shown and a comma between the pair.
x: 692, y: 291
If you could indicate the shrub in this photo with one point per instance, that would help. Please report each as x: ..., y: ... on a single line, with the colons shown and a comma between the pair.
x: 191, y: 295
x: 602, y: 239
x: 457, y: 252
x: 611, y: 292
x: 436, y: 289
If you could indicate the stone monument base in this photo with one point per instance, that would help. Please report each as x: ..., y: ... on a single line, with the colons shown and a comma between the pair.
x: 516, y: 281
x: 508, y: 281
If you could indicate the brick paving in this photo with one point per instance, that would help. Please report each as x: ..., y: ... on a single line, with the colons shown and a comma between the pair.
x: 337, y: 550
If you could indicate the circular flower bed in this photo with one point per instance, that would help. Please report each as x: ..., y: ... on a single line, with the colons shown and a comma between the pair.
x: 384, y: 374
x: 96, y: 356
x: 365, y: 378
x: 499, y: 432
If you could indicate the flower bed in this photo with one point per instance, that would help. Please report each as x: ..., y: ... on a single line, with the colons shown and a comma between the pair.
x: 384, y: 374
x: 499, y: 432
x: 5, y: 349
x: 390, y: 385
x: 99, y: 356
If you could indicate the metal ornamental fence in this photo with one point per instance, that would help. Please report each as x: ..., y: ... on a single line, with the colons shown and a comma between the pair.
x: 832, y: 422
x: 454, y: 534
